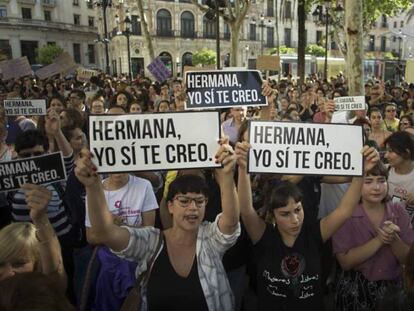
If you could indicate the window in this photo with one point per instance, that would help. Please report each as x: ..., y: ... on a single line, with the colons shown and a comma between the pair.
x: 89, y: 4
x: 26, y: 13
x: 402, y: 24
x: 383, y: 44
x: 91, y: 21
x: 5, y: 50
x: 319, y: 37
x: 288, y: 37
x: 164, y: 23
x: 384, y: 23
x: 395, y: 24
x: 3, y: 11
x: 371, y: 43
x: 136, y: 25
x: 91, y: 54
x: 253, y: 32
x: 75, y: 2
x: 288, y: 10
x: 77, y: 52
x: 209, y: 28
x: 48, y: 16
x: 270, y: 42
x: 76, y: 19
x: 227, y: 34
x: 394, y: 38
x: 187, y: 25
x: 270, y: 8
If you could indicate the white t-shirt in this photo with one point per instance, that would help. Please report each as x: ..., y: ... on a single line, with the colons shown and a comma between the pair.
x: 399, y: 186
x: 130, y: 201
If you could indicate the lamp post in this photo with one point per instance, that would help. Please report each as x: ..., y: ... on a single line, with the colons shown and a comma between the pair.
x: 327, y: 19
x: 262, y: 26
x: 247, y: 48
x: 127, y: 33
x: 215, y: 6
x: 104, y: 4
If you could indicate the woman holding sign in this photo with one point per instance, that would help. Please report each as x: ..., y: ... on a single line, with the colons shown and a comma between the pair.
x: 182, y: 265
x: 288, y: 252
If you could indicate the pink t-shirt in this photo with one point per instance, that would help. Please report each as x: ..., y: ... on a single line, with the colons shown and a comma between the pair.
x: 358, y: 230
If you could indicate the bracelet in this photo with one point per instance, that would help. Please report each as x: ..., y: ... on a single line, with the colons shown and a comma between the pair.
x: 46, y: 241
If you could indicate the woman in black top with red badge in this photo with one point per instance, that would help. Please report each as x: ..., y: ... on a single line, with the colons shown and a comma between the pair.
x: 288, y: 252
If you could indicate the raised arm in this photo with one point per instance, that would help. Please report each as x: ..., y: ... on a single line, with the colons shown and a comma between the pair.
x: 52, y: 128
x: 37, y: 199
x: 101, y: 219
x: 254, y: 225
x: 331, y: 223
x: 229, y: 219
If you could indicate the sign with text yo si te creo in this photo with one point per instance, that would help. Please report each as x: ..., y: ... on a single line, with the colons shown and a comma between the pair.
x: 38, y: 170
x: 25, y: 107
x: 222, y: 89
x: 349, y: 103
x: 305, y: 148
x: 161, y: 141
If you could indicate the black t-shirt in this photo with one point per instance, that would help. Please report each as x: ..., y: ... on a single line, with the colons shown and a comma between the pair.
x: 289, y: 278
x: 167, y: 290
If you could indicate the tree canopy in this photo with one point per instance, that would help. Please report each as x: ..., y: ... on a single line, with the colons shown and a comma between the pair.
x: 48, y: 53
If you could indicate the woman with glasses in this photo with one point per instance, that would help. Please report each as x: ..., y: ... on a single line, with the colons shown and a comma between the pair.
x: 406, y: 123
x: 390, y: 121
x: 182, y: 264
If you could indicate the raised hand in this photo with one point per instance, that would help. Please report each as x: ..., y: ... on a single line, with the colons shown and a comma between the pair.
x: 242, y: 150
x: 52, y: 124
x: 37, y: 198
x: 225, y: 156
x: 85, y: 170
x: 371, y: 157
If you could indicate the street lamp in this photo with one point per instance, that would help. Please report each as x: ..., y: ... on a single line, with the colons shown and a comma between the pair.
x: 127, y: 33
x: 104, y: 4
x: 214, y: 12
x: 262, y: 26
x: 247, y: 48
x: 320, y: 18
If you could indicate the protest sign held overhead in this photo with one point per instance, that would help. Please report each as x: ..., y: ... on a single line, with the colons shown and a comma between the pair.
x: 39, y: 170
x: 221, y: 89
x: 350, y: 103
x: 84, y: 75
x: 305, y: 148
x: 15, y: 68
x: 159, y: 70
x: 268, y: 62
x: 146, y: 142
x: 62, y: 64
x: 25, y: 107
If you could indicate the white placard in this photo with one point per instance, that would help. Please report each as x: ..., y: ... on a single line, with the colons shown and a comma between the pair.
x: 350, y: 103
x: 162, y: 141
x: 25, y: 107
x: 305, y: 148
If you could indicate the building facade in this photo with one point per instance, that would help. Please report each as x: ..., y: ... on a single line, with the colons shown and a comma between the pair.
x: 26, y: 25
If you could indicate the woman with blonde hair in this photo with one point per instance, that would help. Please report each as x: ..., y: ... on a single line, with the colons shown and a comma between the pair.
x: 27, y: 247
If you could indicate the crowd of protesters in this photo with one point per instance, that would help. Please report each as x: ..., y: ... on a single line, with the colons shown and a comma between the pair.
x: 212, y: 239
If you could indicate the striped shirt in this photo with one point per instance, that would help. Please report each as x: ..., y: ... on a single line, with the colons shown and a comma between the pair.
x: 55, y: 210
x: 210, y: 248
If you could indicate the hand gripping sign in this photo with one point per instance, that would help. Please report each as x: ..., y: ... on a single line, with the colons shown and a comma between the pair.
x: 39, y: 170
x: 25, y: 107
x: 147, y: 142
x: 305, y: 148
x: 221, y: 89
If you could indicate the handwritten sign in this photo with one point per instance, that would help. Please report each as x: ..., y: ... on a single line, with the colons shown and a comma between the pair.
x: 350, y: 103
x: 159, y: 70
x: 15, y: 68
x: 268, y: 62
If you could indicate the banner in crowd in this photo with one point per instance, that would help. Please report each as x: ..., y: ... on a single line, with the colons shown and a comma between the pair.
x: 25, y: 107
x: 62, y: 64
x: 15, y: 68
x: 159, y: 70
x: 268, y: 62
x: 84, y: 75
x: 349, y: 103
x: 305, y: 148
x: 147, y: 142
x: 38, y: 170
x: 221, y: 89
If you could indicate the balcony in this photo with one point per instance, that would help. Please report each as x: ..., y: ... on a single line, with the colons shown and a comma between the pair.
x: 384, y: 25
x: 188, y: 34
x: 32, y: 2
x: 165, y: 33
x: 45, y: 25
x: 49, y: 3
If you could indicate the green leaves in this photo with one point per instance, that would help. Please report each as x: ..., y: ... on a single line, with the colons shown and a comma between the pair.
x: 204, y: 57
x: 48, y: 53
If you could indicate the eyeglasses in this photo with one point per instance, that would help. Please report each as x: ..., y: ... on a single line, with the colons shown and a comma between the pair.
x: 405, y: 123
x: 30, y: 154
x: 186, y: 201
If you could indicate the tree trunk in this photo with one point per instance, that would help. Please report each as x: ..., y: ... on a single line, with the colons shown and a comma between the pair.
x: 355, y: 50
x: 234, y: 51
x: 301, y: 42
x: 145, y: 30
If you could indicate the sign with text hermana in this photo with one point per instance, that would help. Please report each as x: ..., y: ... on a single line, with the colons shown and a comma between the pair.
x: 305, y: 148
x: 161, y: 141
x: 221, y: 89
